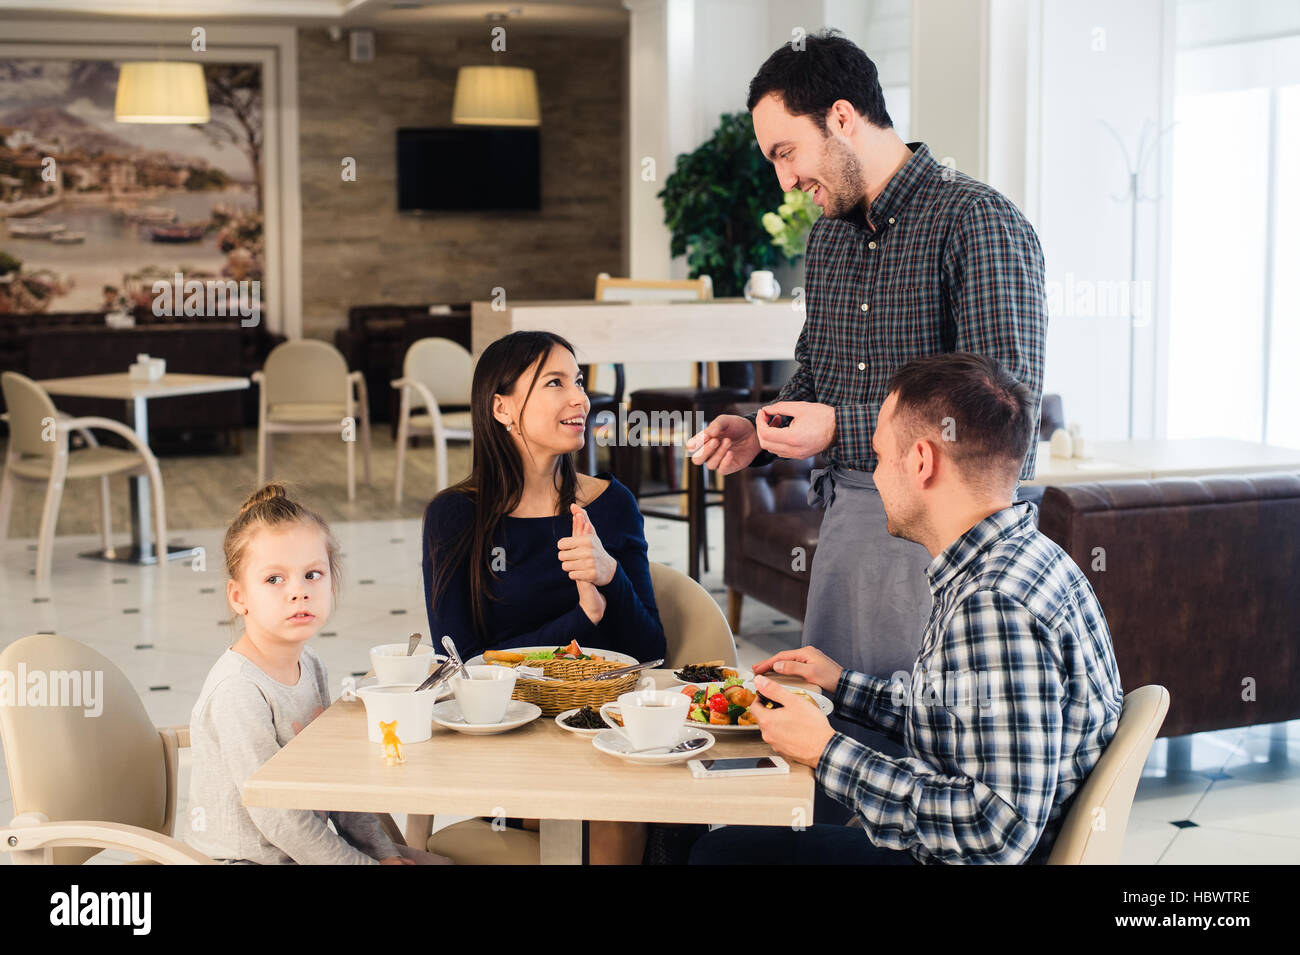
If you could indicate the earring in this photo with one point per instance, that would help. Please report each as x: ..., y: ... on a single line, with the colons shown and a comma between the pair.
x: 509, y: 428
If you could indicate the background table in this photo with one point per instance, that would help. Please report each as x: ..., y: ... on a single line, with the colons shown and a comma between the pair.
x: 1150, y: 458
x: 136, y: 394
x: 537, y: 772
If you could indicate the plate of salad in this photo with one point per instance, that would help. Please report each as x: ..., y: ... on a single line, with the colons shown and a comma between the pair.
x: 725, y: 705
x: 525, y: 656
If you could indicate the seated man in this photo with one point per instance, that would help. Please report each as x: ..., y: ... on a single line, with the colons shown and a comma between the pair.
x: 1015, y: 692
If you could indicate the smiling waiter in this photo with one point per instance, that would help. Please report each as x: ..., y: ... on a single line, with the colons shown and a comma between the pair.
x: 909, y: 258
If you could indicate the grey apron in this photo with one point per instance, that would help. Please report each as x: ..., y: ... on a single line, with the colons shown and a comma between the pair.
x: 868, y: 596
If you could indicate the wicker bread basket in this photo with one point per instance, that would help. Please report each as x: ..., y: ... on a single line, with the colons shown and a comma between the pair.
x: 576, y: 688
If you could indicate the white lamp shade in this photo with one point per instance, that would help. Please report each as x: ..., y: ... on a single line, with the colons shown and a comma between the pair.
x: 160, y: 92
x: 496, y: 96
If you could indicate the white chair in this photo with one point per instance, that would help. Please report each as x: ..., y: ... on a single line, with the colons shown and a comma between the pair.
x: 39, y: 452
x: 695, y: 627
x: 305, y: 387
x: 436, y: 372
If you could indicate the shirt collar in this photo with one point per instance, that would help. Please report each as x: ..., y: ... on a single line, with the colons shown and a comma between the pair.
x: 1013, y: 521
x: 891, y: 201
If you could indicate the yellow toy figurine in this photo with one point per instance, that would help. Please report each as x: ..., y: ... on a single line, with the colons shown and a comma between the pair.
x: 392, y: 745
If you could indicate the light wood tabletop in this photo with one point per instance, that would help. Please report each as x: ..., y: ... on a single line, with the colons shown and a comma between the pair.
x: 538, y: 771
x: 122, y: 385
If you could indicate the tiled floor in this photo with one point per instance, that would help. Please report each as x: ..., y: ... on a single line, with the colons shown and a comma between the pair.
x: 1231, y: 796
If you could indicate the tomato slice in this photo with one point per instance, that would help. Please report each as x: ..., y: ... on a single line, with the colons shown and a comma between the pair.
x: 572, y: 649
x: 718, y: 703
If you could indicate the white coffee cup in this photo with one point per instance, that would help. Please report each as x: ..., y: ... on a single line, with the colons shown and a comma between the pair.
x: 485, y: 696
x: 762, y: 283
x: 650, y: 717
x: 392, y: 664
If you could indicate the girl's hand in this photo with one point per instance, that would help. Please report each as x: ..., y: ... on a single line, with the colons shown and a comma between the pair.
x: 583, y: 555
x: 395, y: 860
x: 591, y: 600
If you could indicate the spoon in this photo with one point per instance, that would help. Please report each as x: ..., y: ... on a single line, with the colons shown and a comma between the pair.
x: 412, y: 642
x: 683, y: 747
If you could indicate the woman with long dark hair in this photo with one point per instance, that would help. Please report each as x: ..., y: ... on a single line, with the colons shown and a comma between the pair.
x: 526, y: 551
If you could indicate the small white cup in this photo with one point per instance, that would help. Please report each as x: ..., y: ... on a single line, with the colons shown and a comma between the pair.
x: 412, y: 711
x: 650, y: 717
x: 485, y: 696
x: 392, y: 665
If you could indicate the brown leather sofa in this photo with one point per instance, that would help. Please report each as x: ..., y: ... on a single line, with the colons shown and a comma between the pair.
x: 1200, y: 587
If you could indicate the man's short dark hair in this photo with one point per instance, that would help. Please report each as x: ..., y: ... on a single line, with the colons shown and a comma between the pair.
x: 830, y: 67
x: 983, y: 416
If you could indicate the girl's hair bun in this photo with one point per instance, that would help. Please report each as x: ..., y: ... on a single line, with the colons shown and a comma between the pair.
x: 261, y: 496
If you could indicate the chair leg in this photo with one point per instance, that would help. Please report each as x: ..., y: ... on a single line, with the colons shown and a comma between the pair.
x: 440, y: 452
x: 6, y: 501
x: 105, y: 514
x: 352, y: 469
x: 365, y: 436
x: 402, y: 427
x: 49, y: 519
x: 734, y: 600
x: 263, y: 442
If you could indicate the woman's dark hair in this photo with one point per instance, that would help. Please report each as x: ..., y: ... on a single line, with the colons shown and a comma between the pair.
x: 828, y: 68
x: 496, y: 480
x: 992, y: 415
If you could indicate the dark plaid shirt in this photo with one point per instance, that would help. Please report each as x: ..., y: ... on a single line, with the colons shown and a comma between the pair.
x: 950, y: 265
x: 1013, y: 697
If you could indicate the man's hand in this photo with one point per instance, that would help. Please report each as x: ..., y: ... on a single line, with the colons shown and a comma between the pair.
x: 727, y: 445
x: 797, y: 730
x: 396, y: 860
x: 807, y: 663
x: 811, y: 430
x: 583, y: 556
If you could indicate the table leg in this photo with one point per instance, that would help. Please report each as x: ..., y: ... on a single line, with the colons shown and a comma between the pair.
x: 141, y: 516
x: 142, y: 549
x: 694, y: 492
x: 563, y: 841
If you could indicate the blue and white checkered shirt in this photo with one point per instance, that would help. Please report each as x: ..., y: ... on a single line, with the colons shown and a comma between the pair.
x: 1013, y: 697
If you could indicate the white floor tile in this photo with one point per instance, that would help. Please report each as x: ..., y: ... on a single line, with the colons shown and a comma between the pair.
x: 1204, y: 846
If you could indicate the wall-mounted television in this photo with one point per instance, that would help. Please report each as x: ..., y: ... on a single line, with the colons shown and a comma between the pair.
x: 468, y: 169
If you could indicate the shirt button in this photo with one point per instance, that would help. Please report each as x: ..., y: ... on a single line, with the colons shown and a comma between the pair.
x: 865, y: 306
x: 862, y: 366
x: 891, y: 220
x: 871, y: 245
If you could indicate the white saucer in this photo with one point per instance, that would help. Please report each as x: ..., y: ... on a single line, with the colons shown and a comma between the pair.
x: 447, y: 713
x: 615, y: 743
x: 559, y: 721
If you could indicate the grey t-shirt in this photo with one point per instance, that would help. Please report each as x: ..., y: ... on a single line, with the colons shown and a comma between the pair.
x: 241, y: 720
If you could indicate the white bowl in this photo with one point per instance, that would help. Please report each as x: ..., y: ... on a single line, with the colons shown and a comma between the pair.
x: 413, y: 711
x: 392, y: 665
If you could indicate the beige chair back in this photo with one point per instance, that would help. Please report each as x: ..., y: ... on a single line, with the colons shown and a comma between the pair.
x: 652, y: 290
x: 694, y: 624
x: 305, y: 371
x: 73, y: 766
x: 31, y: 412
x: 1093, y: 831
x: 444, y: 367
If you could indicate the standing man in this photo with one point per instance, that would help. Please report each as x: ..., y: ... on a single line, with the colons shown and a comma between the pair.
x: 910, y: 258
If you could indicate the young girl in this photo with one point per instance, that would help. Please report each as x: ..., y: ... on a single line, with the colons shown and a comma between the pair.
x: 284, y: 576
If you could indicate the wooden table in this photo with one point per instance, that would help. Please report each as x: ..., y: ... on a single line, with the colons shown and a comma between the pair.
x: 1149, y: 459
x: 721, y: 329
x: 536, y: 772
x: 136, y: 394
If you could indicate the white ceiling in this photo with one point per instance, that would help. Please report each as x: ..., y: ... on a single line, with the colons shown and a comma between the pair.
x: 580, y: 16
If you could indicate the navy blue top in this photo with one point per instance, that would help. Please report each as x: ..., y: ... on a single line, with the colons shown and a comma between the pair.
x: 537, y: 602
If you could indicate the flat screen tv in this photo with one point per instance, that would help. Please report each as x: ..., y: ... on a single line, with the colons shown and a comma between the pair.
x: 468, y: 169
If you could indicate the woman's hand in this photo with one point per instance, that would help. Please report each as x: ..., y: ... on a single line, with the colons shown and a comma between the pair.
x: 583, y: 555
x: 591, y: 600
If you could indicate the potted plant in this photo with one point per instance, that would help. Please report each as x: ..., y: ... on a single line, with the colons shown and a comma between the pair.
x: 714, y: 202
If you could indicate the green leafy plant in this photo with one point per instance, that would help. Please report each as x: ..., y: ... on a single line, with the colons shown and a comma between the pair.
x: 714, y: 202
x: 790, y: 224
